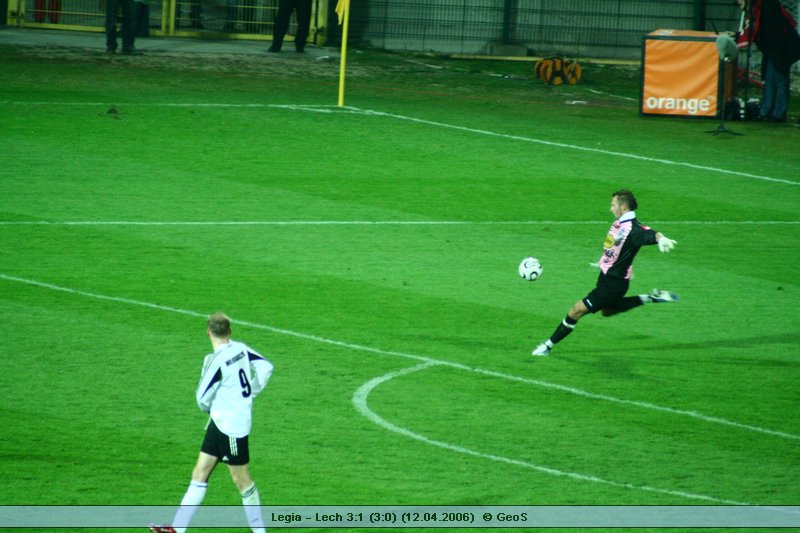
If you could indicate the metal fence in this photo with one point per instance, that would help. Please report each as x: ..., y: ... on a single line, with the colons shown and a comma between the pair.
x: 582, y: 28
x: 587, y: 28
x: 243, y: 19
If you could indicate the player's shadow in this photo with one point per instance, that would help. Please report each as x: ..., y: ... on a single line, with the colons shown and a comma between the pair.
x: 792, y: 340
x: 626, y: 364
x: 682, y: 351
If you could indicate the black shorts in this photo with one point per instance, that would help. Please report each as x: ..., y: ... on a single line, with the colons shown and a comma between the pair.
x: 229, y: 450
x: 608, y: 293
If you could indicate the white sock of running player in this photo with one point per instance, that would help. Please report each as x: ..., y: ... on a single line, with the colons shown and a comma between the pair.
x: 645, y: 298
x: 193, y: 498
x: 252, y: 508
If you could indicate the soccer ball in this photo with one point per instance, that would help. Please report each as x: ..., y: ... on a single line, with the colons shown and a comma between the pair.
x: 530, y: 269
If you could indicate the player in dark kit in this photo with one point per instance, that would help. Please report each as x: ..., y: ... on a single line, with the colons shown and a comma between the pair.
x: 625, y: 237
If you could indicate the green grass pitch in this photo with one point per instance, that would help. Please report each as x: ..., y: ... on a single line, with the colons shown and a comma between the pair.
x: 355, y: 244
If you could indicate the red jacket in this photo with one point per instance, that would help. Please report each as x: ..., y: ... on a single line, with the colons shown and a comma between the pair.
x: 773, y: 30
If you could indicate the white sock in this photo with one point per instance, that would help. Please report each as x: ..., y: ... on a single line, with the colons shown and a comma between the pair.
x: 645, y: 298
x: 193, y: 497
x: 252, y: 508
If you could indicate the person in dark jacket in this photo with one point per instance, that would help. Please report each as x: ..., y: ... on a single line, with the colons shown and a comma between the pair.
x: 773, y: 30
x: 127, y: 9
x: 302, y: 9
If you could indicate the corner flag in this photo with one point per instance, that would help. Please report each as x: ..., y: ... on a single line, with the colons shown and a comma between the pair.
x: 341, y: 7
x: 343, y: 11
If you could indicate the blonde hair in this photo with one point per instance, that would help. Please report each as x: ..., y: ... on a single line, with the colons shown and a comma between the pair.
x: 219, y: 325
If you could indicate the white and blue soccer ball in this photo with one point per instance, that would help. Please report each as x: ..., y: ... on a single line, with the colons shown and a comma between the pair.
x: 530, y: 269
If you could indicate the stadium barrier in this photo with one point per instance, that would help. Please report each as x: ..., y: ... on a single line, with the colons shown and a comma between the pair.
x: 230, y: 19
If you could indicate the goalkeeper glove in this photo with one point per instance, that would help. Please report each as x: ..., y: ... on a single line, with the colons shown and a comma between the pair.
x: 665, y: 244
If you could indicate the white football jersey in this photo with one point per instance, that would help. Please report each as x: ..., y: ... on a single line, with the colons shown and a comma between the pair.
x: 232, y: 376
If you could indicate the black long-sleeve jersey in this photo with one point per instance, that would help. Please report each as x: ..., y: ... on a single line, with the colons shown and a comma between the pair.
x: 625, y: 237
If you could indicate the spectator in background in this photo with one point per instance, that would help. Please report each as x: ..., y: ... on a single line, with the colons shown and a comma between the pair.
x: 773, y: 30
x: 302, y: 9
x: 51, y: 10
x: 127, y: 8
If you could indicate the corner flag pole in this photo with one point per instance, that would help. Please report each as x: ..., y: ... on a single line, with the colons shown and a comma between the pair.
x: 343, y: 10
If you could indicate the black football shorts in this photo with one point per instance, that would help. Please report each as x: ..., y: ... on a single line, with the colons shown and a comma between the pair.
x: 229, y: 450
x: 608, y: 293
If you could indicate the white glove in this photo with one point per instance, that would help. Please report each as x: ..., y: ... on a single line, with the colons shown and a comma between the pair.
x: 665, y: 244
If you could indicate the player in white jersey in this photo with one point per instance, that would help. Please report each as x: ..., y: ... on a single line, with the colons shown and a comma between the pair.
x: 233, y: 375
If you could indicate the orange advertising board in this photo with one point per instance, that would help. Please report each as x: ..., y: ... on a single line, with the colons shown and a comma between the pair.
x: 681, y: 74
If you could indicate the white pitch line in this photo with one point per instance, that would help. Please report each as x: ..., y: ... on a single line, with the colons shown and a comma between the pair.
x: 360, y: 403
x: 385, y: 222
x: 369, y: 112
x: 293, y: 223
x: 360, y: 396
x: 359, y: 347
x: 595, y: 91
x: 575, y: 147
x: 147, y: 104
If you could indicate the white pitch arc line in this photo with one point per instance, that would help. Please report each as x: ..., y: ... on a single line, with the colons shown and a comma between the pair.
x: 359, y: 347
x: 361, y: 394
x: 385, y: 222
x: 360, y: 397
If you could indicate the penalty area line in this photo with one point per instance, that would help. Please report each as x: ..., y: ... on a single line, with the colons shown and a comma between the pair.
x: 360, y: 347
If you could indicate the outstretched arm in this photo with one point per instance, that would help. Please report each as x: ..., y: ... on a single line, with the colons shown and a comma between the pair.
x: 665, y: 244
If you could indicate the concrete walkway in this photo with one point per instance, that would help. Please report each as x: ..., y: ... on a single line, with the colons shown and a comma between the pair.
x: 96, y: 40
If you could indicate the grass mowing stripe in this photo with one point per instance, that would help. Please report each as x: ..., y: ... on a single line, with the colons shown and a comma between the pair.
x: 369, y: 112
x: 423, y: 359
x: 634, y: 403
x: 360, y: 402
x: 576, y: 147
x: 384, y: 222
